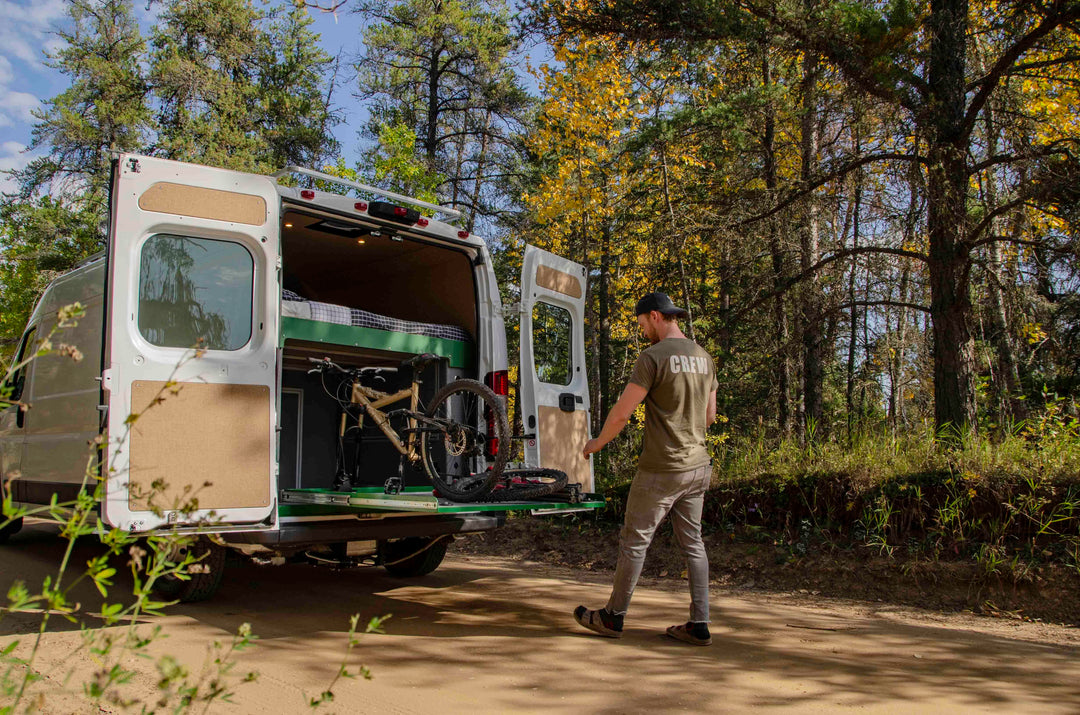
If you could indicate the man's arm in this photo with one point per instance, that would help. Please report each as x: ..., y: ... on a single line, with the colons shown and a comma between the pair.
x: 710, y: 410
x: 618, y: 417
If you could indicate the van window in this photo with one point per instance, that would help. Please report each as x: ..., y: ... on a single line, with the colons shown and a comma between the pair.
x: 17, y: 383
x: 551, y: 343
x: 195, y: 292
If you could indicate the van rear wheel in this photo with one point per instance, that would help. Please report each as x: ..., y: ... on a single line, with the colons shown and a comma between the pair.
x: 414, y: 556
x: 208, y: 576
x: 10, y: 529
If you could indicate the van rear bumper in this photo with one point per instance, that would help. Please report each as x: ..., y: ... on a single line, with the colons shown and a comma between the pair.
x: 308, y: 533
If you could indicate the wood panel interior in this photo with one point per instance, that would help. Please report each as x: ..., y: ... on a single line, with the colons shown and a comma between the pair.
x: 324, y: 260
x: 208, y: 442
x: 562, y: 438
x: 200, y: 202
x: 558, y: 281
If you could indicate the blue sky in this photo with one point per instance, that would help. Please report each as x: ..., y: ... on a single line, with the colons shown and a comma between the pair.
x: 28, y: 31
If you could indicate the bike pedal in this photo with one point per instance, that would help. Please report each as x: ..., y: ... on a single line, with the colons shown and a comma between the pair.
x: 392, y: 485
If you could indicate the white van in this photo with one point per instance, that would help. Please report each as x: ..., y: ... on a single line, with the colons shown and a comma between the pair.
x: 264, y: 277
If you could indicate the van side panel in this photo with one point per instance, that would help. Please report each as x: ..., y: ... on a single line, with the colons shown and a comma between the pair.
x: 64, y: 390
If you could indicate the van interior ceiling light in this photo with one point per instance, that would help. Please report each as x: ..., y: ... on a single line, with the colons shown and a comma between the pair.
x: 288, y: 225
x: 360, y: 241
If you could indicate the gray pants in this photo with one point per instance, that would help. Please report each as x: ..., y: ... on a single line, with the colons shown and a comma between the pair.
x: 652, y: 496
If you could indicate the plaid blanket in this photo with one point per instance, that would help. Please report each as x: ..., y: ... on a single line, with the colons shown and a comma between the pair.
x: 296, y: 306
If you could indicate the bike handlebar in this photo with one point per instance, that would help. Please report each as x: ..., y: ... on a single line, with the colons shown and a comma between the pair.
x: 326, y: 362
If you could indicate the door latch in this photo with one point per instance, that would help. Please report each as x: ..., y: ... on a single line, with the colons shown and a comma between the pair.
x: 567, y: 401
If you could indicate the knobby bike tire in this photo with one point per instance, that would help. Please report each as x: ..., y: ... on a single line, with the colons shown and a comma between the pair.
x: 548, y: 481
x: 484, y: 481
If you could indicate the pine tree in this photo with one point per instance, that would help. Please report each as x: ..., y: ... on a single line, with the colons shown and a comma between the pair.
x: 104, y: 110
x: 443, y: 69
x: 295, y: 93
x: 205, y: 74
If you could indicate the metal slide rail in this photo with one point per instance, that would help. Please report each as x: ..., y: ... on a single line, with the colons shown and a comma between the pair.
x: 423, y: 500
x: 450, y: 213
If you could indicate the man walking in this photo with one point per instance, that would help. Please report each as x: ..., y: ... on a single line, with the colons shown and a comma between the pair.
x: 676, y: 378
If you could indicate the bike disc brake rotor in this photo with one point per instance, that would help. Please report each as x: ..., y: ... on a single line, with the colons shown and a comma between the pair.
x: 457, y: 440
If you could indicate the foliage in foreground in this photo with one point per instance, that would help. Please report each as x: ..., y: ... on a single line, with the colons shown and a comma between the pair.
x: 116, y: 639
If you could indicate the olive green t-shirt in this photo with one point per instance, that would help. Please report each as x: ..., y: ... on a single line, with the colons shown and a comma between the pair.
x: 679, y: 376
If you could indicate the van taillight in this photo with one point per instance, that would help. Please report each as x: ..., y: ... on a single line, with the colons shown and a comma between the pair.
x: 499, y: 382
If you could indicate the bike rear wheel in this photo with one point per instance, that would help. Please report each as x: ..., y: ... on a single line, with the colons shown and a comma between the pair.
x: 465, y: 443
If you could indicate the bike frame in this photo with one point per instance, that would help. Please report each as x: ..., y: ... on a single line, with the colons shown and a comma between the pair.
x: 373, y: 399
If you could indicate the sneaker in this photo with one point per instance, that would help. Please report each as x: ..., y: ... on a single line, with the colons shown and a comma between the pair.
x: 602, y: 622
x: 693, y: 633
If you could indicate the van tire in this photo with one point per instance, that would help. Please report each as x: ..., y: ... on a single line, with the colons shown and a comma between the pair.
x: 199, y: 586
x: 10, y: 529
x: 423, y: 563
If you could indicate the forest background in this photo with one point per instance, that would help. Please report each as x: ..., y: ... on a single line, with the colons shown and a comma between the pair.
x: 870, y: 210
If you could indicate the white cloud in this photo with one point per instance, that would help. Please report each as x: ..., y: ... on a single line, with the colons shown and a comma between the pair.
x: 18, y: 106
x: 11, y: 157
x: 6, y: 73
x: 27, y: 27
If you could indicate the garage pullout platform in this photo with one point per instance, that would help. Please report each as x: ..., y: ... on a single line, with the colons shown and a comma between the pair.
x: 423, y: 499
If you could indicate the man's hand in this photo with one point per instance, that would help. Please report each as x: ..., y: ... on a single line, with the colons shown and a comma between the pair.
x: 591, y: 447
x: 617, y: 418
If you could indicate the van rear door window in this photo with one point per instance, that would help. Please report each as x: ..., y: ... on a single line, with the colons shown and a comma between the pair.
x: 551, y: 327
x: 195, y: 292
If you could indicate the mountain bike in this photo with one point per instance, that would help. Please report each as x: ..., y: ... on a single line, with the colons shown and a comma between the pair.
x: 461, y: 439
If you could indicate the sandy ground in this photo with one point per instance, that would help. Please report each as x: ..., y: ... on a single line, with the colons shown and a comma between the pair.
x: 486, y: 635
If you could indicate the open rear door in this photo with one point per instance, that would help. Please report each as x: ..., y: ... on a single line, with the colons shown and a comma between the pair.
x: 554, y: 390
x: 191, y: 337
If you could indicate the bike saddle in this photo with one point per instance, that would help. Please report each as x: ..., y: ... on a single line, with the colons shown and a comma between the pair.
x: 419, y: 362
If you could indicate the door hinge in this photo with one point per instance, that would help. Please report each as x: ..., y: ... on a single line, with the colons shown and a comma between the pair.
x: 509, y: 311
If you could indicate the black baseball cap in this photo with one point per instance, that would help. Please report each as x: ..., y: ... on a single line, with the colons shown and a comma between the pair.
x: 657, y: 301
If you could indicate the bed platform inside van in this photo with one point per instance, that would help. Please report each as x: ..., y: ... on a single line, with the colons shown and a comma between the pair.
x: 314, y: 321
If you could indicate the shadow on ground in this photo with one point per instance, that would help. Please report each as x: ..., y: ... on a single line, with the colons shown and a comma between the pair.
x: 504, y: 632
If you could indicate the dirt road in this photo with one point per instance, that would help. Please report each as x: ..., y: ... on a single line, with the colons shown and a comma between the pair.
x: 485, y: 635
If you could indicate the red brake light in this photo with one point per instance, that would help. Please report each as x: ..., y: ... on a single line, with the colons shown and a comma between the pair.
x: 421, y: 222
x: 463, y: 234
x: 401, y: 211
x: 307, y: 194
x: 499, y: 382
x: 360, y: 206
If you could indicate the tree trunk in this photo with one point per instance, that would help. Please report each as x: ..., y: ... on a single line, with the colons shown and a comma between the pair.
x: 949, y: 257
x: 481, y: 160
x: 813, y: 357
x: 783, y: 360
x: 431, y: 134
x: 853, y: 332
x: 605, y: 318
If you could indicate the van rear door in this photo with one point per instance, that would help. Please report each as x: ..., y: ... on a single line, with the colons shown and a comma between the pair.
x: 554, y: 388
x: 191, y: 339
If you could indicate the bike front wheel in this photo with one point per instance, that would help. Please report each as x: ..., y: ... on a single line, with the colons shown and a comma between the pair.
x: 465, y: 441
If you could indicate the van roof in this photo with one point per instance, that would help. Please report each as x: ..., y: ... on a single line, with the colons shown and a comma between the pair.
x: 347, y: 205
x: 350, y: 206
